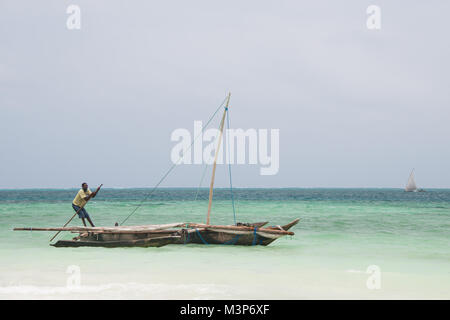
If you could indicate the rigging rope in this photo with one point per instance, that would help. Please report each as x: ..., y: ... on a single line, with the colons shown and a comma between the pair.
x: 201, y: 182
x: 255, y: 237
x: 201, y: 238
x: 174, y: 165
x: 198, y: 188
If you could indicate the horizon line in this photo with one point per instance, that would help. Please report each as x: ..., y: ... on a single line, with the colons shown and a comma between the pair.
x: 207, y: 188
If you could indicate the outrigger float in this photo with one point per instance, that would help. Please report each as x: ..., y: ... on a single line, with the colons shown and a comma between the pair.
x: 244, y: 234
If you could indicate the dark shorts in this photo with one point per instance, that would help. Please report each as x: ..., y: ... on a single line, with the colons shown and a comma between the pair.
x: 82, y: 213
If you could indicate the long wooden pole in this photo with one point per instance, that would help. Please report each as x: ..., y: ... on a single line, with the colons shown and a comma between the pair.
x: 215, y: 159
x: 67, y: 223
x: 81, y: 208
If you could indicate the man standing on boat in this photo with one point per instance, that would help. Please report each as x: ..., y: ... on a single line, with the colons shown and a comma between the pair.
x: 80, y: 200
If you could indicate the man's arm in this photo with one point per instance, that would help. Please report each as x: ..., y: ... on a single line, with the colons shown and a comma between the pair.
x: 94, y: 194
x: 89, y: 196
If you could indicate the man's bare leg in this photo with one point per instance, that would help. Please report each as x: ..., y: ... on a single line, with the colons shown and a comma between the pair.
x: 84, y: 222
x: 90, y: 221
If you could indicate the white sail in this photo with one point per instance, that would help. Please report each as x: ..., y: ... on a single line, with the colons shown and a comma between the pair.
x: 411, y: 185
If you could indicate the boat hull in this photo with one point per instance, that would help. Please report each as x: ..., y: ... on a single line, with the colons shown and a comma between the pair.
x: 145, y: 243
x: 233, y: 238
x: 223, y: 238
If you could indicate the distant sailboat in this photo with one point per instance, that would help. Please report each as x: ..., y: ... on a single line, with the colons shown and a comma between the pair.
x: 411, y: 185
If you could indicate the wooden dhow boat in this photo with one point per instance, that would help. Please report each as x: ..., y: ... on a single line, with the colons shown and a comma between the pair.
x: 244, y: 234
x: 175, y: 233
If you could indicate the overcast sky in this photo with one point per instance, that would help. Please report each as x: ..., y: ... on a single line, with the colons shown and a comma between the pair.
x: 355, y: 107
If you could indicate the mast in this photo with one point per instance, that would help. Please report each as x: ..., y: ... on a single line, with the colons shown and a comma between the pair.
x: 215, y: 159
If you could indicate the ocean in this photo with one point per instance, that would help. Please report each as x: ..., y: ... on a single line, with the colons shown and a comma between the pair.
x: 349, y: 244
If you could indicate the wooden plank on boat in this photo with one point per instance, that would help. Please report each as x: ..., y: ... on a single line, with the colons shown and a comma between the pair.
x: 254, y: 224
x: 124, y: 229
x: 286, y: 227
x: 150, y: 242
x: 239, y: 228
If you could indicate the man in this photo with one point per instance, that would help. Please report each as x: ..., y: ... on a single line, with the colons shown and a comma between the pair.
x: 80, y: 201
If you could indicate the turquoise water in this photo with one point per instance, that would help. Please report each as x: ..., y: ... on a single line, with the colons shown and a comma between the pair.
x: 341, y: 233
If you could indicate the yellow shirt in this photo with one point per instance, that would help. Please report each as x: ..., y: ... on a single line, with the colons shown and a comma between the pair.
x: 79, y: 198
